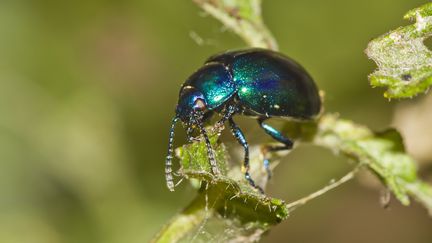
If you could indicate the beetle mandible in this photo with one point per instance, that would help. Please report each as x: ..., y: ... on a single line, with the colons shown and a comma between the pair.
x: 254, y: 82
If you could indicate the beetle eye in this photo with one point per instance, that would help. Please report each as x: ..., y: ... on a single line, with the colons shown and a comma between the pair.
x: 199, y: 104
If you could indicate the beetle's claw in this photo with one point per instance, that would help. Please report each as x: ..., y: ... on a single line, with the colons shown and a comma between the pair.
x: 260, y: 189
x: 215, y: 170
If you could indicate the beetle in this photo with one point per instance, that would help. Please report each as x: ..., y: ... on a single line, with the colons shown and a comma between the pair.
x: 253, y: 82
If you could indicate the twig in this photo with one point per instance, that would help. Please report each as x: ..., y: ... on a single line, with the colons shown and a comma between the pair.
x: 243, y: 18
x: 350, y: 175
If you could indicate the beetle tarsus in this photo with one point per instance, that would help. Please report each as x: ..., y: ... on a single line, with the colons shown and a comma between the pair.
x: 252, y: 183
x: 266, y: 163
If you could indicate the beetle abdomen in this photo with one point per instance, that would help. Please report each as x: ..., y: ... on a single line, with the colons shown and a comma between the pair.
x: 273, y: 85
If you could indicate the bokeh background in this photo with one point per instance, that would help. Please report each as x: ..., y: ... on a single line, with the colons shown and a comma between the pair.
x: 88, y: 88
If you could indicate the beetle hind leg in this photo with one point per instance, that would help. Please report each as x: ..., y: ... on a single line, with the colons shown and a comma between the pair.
x: 276, y: 135
x: 238, y: 134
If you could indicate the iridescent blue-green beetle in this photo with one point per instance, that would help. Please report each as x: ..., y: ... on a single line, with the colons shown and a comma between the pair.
x: 253, y: 82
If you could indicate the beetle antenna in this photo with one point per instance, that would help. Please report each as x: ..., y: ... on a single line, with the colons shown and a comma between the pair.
x: 210, y: 153
x: 168, y: 160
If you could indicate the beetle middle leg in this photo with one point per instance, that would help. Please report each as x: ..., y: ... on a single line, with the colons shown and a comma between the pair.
x: 277, y: 135
x: 227, y: 113
x: 238, y: 134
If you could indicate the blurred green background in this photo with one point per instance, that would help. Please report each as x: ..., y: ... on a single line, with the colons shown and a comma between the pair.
x: 88, y: 88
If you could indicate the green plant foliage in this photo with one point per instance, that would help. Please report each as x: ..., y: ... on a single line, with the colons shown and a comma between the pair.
x: 227, y: 200
x: 383, y: 153
x: 221, y: 201
x: 404, y: 61
x: 246, y: 200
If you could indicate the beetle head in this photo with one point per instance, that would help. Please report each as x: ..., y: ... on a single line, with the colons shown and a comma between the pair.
x: 191, y: 106
x: 192, y: 111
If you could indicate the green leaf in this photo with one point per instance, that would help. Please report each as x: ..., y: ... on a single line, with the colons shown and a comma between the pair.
x: 222, y: 202
x: 247, y: 200
x: 382, y: 152
x: 404, y: 61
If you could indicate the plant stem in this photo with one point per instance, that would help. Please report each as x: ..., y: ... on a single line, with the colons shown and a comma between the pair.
x: 243, y: 17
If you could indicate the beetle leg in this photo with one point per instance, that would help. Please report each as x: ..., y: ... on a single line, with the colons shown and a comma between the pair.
x: 238, y: 134
x: 277, y: 135
x: 227, y: 114
x: 189, y: 134
x: 210, y: 152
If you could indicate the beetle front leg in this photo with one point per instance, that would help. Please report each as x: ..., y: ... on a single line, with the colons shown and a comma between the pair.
x: 277, y: 135
x: 238, y: 134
